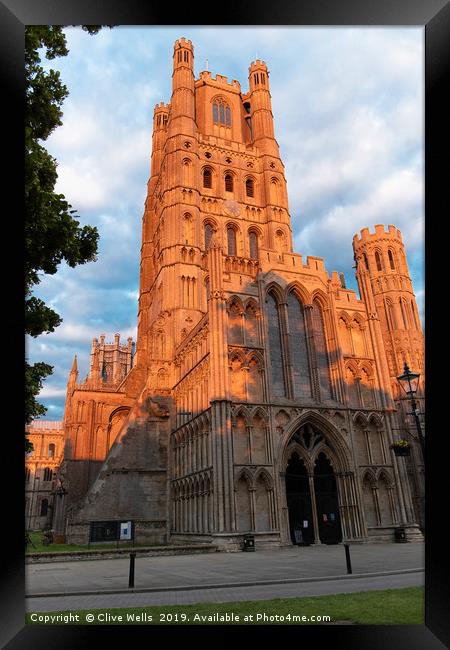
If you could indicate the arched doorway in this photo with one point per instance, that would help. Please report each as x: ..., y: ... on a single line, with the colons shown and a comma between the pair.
x: 299, y: 501
x: 327, y: 501
x: 311, y: 489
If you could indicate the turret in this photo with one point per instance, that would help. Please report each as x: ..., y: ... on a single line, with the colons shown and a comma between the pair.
x: 385, y: 285
x: 182, y: 105
x: 73, y: 375
x: 261, y: 109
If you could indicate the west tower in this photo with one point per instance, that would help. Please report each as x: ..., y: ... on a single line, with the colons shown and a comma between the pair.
x: 260, y: 396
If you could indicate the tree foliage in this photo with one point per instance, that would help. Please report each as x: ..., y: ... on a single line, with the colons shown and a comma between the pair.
x: 52, y: 230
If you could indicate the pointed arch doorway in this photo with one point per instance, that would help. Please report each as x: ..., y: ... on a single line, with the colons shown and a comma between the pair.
x: 311, y: 490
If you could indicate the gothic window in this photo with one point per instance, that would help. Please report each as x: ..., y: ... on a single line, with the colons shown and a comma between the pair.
x: 403, y: 310
x: 228, y: 182
x: 187, y: 229
x: 237, y: 379
x: 390, y: 316
x: 275, y: 191
x: 262, y: 505
x: 254, y: 391
x: 208, y: 232
x: 391, y: 260
x: 298, y: 347
x: 344, y: 337
x: 367, y: 390
x: 280, y: 242
x: 378, y: 261
x: 320, y: 345
x: 413, y: 310
x: 243, y: 505
x: 44, y: 508
x: 231, y: 241
x: 207, y: 178
x: 51, y: 450
x: 366, y: 261
x: 276, y: 354
x: 48, y: 474
x: 250, y: 187
x: 27, y: 474
x: 259, y: 452
x: 221, y: 113
x: 251, y: 326
x: 253, y: 244
x: 235, y: 324
x: 241, y: 443
x: 352, y: 388
x: 358, y: 338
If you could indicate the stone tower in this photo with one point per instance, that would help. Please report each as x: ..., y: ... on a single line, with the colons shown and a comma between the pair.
x: 384, y: 282
x: 260, y: 396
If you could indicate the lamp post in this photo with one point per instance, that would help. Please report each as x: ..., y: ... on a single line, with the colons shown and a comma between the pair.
x: 409, y: 381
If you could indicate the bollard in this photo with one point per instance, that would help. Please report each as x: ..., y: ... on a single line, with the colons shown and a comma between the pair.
x: 131, y: 575
x: 347, y: 557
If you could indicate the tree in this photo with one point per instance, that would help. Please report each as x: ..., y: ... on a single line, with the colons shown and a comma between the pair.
x: 52, y: 229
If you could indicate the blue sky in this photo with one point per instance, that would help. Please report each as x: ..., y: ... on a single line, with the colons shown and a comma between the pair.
x: 348, y: 110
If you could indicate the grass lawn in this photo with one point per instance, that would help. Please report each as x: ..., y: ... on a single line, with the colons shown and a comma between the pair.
x: 38, y: 547
x: 387, y: 607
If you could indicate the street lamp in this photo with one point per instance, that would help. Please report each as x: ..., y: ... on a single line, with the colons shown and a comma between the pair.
x: 409, y: 382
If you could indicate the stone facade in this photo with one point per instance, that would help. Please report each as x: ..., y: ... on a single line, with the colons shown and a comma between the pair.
x: 41, y: 467
x: 262, y: 395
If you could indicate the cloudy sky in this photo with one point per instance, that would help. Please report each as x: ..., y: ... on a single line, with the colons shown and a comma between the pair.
x: 348, y: 110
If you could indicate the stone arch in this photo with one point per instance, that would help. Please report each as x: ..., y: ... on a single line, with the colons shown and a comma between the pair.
x: 331, y: 433
x: 275, y: 323
x: 241, y: 440
x: 243, y: 488
x: 275, y: 290
x: 300, y: 291
x: 369, y: 476
x: 321, y: 297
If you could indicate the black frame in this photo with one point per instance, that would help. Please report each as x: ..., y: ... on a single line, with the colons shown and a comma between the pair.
x: 435, y: 16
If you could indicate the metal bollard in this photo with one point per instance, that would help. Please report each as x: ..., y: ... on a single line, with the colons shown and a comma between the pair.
x: 347, y: 557
x: 131, y: 574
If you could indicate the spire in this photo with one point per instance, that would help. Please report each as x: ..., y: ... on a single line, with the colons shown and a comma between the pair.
x: 73, y: 375
x: 74, y: 369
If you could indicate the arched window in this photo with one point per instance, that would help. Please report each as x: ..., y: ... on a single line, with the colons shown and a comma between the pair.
x: 228, y: 182
x: 391, y: 260
x: 51, y: 450
x: 378, y: 261
x: 207, y: 178
x: 280, y: 242
x: 277, y: 365
x: 208, y: 232
x: 403, y: 310
x: 221, y: 113
x: 253, y: 244
x: 390, y: 315
x: 231, y: 240
x: 48, y: 474
x: 413, y: 310
x: 366, y: 261
x: 187, y: 229
x: 250, y: 187
x: 44, y: 507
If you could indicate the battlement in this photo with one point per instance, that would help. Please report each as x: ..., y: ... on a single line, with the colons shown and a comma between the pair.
x: 380, y: 231
x: 162, y: 107
x: 206, y: 75
x: 182, y: 42
x: 254, y: 65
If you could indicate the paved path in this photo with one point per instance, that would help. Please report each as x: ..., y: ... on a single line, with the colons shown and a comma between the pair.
x: 223, y: 595
x: 221, y: 577
x: 221, y: 568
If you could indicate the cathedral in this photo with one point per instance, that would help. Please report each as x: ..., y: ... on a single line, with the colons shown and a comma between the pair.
x: 261, y: 395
